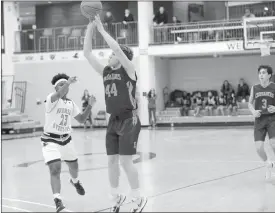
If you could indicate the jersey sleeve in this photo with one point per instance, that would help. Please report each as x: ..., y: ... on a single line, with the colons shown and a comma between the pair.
x: 49, y: 105
x: 76, y: 110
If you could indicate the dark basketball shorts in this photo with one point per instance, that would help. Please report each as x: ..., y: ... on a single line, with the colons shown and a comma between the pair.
x: 122, y: 136
x: 264, y: 125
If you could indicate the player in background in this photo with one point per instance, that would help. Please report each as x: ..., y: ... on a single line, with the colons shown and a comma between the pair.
x: 262, y: 105
x: 56, y: 139
x: 123, y: 129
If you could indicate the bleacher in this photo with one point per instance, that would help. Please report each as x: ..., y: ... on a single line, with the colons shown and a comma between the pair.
x: 15, y: 122
x: 172, y: 116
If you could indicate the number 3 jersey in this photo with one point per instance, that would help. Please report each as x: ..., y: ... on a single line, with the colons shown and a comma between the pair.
x: 120, y: 91
x: 264, y: 97
x: 58, y: 115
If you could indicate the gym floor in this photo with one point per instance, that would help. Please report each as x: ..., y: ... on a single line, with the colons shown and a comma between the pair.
x: 181, y: 169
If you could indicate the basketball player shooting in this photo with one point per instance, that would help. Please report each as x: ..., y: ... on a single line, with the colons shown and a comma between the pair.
x: 123, y: 129
x: 56, y: 139
x: 263, y: 96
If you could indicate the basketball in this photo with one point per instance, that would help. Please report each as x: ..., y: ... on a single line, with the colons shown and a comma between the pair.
x: 90, y: 9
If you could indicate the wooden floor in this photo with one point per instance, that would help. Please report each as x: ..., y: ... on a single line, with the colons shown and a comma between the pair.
x: 213, y: 169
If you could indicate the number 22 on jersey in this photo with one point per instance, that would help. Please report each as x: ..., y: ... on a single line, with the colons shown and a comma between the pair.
x: 111, y: 90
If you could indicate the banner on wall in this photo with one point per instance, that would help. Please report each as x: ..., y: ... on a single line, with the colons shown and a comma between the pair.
x: 230, y: 47
x: 61, y: 56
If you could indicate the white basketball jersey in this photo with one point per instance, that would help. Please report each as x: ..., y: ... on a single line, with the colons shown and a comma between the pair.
x: 59, y: 115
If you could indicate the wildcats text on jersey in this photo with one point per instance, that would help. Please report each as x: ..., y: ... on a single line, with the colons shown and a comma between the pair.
x: 63, y: 111
x: 112, y: 76
x: 264, y: 94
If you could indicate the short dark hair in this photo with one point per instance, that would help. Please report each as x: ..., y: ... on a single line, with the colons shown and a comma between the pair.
x: 58, y: 77
x: 267, y: 68
x: 127, y: 51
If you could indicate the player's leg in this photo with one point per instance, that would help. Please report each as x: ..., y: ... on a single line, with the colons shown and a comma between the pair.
x: 127, y: 148
x: 260, y: 132
x: 112, y: 149
x: 69, y: 155
x: 52, y: 156
x: 271, y: 134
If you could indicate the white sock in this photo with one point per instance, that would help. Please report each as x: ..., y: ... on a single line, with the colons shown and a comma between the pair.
x: 57, y: 195
x: 135, y: 193
x: 114, y: 192
x: 75, y: 180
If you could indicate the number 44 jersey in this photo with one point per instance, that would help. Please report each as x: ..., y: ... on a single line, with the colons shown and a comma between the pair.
x: 120, y: 91
x: 264, y: 97
x: 59, y: 114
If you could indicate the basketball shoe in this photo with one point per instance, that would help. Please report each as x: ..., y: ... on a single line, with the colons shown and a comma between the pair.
x: 139, y: 203
x: 269, y: 167
x: 119, y: 200
x: 59, y: 205
x: 78, y: 186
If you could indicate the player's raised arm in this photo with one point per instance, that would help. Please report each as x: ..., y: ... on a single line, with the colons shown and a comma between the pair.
x: 60, y: 92
x: 87, y: 49
x: 126, y: 63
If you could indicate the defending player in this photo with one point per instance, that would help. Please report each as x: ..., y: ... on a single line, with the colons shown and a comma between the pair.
x: 57, y: 140
x: 124, y: 125
x: 264, y: 112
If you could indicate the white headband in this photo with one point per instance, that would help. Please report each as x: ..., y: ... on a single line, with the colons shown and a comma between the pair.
x: 60, y: 80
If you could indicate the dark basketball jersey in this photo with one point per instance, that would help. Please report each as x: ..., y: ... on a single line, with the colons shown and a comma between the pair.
x: 120, y: 91
x: 264, y: 97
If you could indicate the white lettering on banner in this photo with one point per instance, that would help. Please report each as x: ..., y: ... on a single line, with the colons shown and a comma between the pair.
x: 234, y: 46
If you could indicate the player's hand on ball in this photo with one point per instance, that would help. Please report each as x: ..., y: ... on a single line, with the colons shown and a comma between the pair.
x: 72, y: 80
x: 257, y: 113
x: 271, y: 109
x: 92, y: 100
x: 98, y: 23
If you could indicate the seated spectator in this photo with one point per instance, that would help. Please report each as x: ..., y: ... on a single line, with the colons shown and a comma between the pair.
x: 248, y: 14
x: 227, y: 89
x: 232, y: 104
x: 160, y: 19
x: 243, y: 91
x: 186, y: 104
x: 221, y: 103
x: 210, y: 103
x: 198, y: 104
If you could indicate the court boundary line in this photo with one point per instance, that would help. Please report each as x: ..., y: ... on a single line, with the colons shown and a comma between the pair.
x: 194, y: 184
x: 15, y: 208
x: 34, y: 203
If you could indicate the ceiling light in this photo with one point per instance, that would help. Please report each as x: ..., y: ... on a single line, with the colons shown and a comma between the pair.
x: 265, y: 8
x: 49, y: 2
x: 28, y: 13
